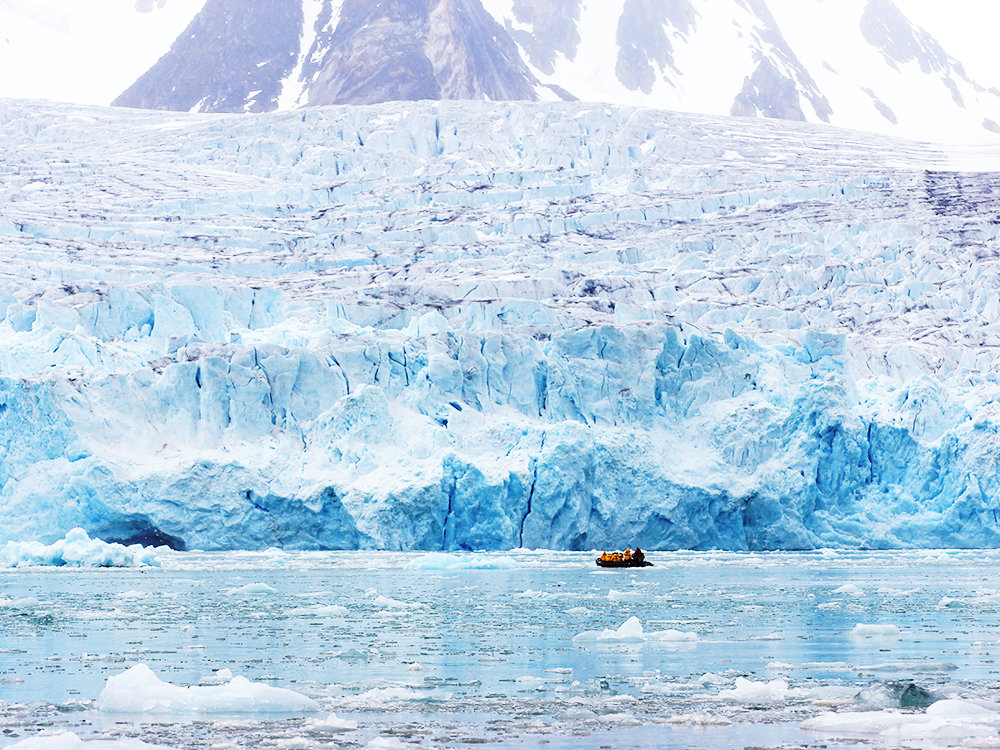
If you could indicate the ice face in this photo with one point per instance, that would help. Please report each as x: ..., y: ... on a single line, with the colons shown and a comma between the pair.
x: 444, y: 326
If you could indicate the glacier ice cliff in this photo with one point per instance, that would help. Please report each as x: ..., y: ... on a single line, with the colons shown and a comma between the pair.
x: 447, y: 326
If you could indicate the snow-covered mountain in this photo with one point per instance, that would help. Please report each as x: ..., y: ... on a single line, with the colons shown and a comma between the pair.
x: 254, y: 55
x: 487, y: 325
x: 855, y: 63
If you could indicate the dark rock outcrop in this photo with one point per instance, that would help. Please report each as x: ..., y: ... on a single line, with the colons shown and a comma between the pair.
x: 643, y: 40
x: 232, y: 57
x: 770, y: 93
x: 419, y: 49
x: 553, y: 30
x: 884, y: 26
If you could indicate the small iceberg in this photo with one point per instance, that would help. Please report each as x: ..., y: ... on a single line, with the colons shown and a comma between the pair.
x: 631, y: 631
x: 139, y: 690
x: 77, y: 550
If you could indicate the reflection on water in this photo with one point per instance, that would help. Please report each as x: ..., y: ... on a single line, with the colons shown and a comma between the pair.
x: 459, y: 657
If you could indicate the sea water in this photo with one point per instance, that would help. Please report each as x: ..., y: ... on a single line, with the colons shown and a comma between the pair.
x: 524, y: 649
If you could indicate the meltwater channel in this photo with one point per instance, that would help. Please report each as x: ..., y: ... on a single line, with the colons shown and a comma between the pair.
x: 522, y: 649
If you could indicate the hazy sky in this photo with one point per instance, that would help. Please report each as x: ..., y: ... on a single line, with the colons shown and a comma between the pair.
x: 89, y: 51
x: 967, y: 29
x: 85, y: 51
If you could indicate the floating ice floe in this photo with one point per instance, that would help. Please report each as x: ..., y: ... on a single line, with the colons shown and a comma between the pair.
x: 387, y: 743
x: 330, y: 724
x: 849, y: 589
x: 24, y: 603
x: 532, y: 594
x: 132, y: 594
x: 749, y: 691
x: 881, y: 632
x: 775, y: 636
x: 827, y: 666
x: 380, y: 696
x: 388, y: 694
x: 385, y: 602
x: 139, y: 690
x: 71, y: 741
x: 446, y: 561
x: 319, y: 610
x: 615, y: 595
x: 77, y: 549
x: 950, y: 722
x: 631, y: 631
x: 698, y: 719
x: 254, y: 589
x: 896, y: 694
x: 908, y: 667
x: 531, y: 680
x: 623, y: 719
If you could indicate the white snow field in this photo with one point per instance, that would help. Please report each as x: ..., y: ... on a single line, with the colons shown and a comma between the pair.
x: 707, y: 650
x: 445, y: 326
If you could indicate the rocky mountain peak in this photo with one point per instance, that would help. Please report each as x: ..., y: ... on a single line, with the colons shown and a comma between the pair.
x: 233, y: 57
x: 419, y: 49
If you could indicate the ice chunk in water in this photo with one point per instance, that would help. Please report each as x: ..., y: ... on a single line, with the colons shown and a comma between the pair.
x: 254, y: 589
x: 885, y: 632
x: 969, y: 724
x: 631, y: 631
x: 850, y: 589
x: 387, y: 743
x: 386, y: 602
x: 749, y: 691
x: 70, y: 741
x: 331, y: 723
x: 319, y: 610
x: 901, y: 693
x: 445, y: 561
x: 77, y: 549
x: 25, y: 603
x: 139, y: 690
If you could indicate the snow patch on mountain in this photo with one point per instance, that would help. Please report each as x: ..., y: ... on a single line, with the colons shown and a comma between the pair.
x: 898, y: 78
x: 320, y: 17
x: 858, y: 63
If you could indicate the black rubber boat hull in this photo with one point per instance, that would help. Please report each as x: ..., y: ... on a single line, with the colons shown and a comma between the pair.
x: 624, y: 564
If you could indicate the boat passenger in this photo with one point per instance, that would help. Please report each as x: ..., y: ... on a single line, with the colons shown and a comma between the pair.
x: 638, y: 555
x: 628, y: 554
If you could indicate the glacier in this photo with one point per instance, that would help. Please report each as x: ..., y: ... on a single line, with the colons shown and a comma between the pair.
x: 456, y: 326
